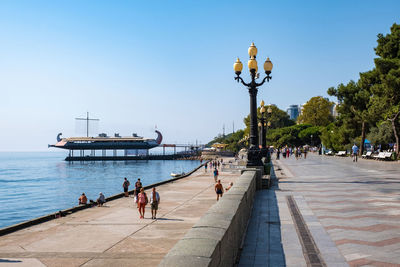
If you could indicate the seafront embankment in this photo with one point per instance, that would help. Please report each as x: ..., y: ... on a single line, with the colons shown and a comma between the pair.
x: 114, y: 234
x: 66, y: 212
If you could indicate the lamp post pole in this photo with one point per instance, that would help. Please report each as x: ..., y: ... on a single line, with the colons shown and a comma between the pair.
x: 262, y: 131
x: 253, y: 154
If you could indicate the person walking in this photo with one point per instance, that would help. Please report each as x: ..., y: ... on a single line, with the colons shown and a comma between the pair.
x: 215, y: 174
x: 205, y: 167
x: 126, y: 185
x: 142, y: 202
x: 219, y: 189
x: 154, y: 201
x: 355, y: 152
x: 138, y: 186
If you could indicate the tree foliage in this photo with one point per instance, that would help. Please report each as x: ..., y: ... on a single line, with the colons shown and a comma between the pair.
x: 354, y: 102
x: 316, y: 112
x: 277, y: 117
x: 296, y: 135
x: 382, y: 134
x: 372, y: 100
x: 232, y: 140
x: 386, y: 86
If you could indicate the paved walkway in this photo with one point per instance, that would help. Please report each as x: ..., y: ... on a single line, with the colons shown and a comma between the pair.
x: 114, y: 235
x: 351, y: 210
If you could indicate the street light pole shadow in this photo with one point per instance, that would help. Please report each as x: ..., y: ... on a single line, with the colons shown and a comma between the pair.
x: 263, y: 242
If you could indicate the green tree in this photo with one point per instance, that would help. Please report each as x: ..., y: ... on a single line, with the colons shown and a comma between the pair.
x: 386, y: 86
x: 232, y: 140
x: 278, y: 118
x: 311, y: 135
x: 354, y: 102
x: 381, y: 134
x: 317, y: 112
x: 288, y: 136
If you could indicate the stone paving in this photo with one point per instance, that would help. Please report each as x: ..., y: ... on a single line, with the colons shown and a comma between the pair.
x: 114, y: 235
x: 352, y: 211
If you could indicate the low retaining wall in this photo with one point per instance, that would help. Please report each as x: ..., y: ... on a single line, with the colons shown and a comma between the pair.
x: 214, y: 154
x: 216, y: 238
x: 52, y: 216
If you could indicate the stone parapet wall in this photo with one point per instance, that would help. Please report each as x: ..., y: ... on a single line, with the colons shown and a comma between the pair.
x: 216, y: 238
x: 216, y: 154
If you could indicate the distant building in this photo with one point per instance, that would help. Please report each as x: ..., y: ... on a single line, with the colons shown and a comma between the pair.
x: 293, y: 111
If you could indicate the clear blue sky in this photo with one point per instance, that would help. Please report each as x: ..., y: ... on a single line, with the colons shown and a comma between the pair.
x: 137, y: 64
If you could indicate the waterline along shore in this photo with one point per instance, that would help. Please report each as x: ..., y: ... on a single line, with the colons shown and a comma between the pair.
x: 66, y: 212
x: 52, y: 184
x: 114, y: 234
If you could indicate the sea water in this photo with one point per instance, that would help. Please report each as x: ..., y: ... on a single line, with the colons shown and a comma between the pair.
x: 34, y: 184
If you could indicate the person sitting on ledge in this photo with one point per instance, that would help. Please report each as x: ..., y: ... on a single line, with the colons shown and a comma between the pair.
x: 229, y: 187
x: 82, y: 199
x: 101, y: 200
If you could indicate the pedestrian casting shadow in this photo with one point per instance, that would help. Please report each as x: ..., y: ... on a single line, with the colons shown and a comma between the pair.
x: 9, y: 261
x: 166, y: 219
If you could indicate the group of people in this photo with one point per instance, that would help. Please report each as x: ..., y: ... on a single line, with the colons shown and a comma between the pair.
x: 219, y: 189
x: 84, y: 201
x: 141, y: 199
x: 213, y: 164
x: 288, y: 151
x: 298, y: 151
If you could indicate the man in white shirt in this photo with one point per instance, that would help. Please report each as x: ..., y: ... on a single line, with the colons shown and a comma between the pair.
x: 154, y: 201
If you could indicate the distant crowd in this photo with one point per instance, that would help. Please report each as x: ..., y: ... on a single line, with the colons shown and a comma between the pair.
x: 288, y: 151
x: 301, y: 151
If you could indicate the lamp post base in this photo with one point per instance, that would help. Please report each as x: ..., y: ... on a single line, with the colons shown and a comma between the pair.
x: 254, y: 157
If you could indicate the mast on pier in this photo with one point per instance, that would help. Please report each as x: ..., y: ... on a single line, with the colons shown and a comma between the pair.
x: 87, y: 122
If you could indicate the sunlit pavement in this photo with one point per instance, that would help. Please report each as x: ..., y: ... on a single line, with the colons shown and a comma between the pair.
x: 114, y: 235
x: 351, y: 210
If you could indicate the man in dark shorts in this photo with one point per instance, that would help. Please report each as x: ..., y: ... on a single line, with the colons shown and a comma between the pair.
x: 125, y: 185
x: 154, y: 201
x: 219, y: 189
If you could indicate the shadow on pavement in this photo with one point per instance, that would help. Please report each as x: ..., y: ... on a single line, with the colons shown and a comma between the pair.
x: 263, y: 243
x: 9, y: 261
x: 166, y: 219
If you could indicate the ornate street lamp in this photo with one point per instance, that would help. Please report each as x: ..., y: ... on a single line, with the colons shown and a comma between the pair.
x: 253, y: 154
x: 262, y: 131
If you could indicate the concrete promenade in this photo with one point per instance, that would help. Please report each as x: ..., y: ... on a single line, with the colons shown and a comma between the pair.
x: 114, y: 235
x: 351, y: 211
